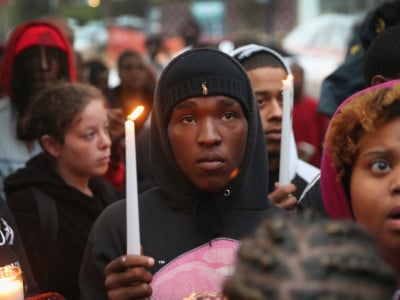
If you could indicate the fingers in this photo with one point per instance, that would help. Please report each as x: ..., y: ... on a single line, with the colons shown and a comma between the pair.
x: 142, y: 291
x: 128, y: 261
x: 282, y: 196
x: 288, y: 203
x: 127, y: 277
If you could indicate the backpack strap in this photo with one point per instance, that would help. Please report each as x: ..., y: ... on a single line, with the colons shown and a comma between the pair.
x: 48, y: 217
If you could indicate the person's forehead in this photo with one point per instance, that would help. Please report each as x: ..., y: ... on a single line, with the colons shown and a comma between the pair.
x: 266, y: 78
x: 220, y: 100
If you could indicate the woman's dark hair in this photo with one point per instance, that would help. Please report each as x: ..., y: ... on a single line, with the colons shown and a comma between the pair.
x: 54, y: 110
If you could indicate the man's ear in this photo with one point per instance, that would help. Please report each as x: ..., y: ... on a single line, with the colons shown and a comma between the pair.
x: 50, y: 145
x: 378, y: 79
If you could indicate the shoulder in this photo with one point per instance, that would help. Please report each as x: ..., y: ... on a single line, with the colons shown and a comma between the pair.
x: 104, y: 190
x: 311, y: 197
x: 21, y: 200
x: 112, y: 213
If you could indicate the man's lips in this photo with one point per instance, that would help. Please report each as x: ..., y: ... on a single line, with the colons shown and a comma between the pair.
x: 210, y: 161
x: 273, y: 135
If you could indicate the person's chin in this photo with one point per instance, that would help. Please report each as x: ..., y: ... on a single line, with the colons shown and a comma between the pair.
x: 273, y: 151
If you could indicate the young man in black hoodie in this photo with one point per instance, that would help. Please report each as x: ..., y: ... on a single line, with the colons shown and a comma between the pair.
x: 208, y: 156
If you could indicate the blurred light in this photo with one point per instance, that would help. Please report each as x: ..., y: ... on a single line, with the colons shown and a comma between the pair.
x: 94, y: 3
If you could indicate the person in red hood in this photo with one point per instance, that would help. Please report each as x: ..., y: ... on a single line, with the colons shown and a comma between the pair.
x: 360, y: 166
x: 37, y: 55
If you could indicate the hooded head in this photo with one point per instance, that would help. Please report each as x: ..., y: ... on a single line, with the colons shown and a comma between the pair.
x: 23, y: 44
x: 253, y: 57
x: 359, y: 114
x: 198, y: 73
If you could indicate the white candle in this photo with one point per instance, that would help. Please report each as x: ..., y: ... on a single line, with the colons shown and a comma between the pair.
x: 132, y: 205
x: 11, y: 285
x: 284, y: 167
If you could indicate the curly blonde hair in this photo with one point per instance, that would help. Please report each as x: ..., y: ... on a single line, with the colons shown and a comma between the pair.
x: 363, y: 114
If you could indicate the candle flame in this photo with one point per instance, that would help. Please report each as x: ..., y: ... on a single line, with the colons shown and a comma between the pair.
x: 136, y: 113
x: 287, y: 82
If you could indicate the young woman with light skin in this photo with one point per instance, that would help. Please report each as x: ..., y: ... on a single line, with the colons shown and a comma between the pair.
x: 362, y: 151
x: 85, y: 150
x: 70, y: 121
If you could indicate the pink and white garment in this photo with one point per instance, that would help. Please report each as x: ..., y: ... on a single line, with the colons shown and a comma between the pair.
x: 200, y: 270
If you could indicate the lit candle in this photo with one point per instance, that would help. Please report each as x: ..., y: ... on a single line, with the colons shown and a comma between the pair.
x: 284, y: 166
x: 132, y: 205
x: 11, y: 285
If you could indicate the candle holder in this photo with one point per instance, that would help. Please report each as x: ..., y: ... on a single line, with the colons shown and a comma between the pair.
x: 11, y: 283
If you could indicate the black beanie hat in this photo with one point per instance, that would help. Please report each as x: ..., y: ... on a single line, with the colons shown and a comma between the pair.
x: 202, y: 72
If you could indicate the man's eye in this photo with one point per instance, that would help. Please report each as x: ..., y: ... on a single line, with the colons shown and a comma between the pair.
x: 380, y: 166
x: 228, y: 115
x: 188, y: 119
x: 260, y: 101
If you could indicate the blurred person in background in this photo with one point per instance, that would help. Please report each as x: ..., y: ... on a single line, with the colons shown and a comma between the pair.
x: 37, y: 55
x: 154, y: 45
x: 348, y: 77
x: 309, y: 125
x: 137, y: 84
x: 95, y: 72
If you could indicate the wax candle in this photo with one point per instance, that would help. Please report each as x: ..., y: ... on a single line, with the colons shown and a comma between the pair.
x: 11, y: 285
x: 284, y: 167
x: 132, y: 205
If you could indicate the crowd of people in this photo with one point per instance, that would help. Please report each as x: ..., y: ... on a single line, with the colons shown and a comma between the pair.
x: 215, y: 220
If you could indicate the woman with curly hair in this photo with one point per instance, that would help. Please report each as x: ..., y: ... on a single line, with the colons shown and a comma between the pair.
x: 360, y: 171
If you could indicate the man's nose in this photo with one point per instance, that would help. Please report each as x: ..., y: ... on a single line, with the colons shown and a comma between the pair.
x: 44, y: 62
x: 209, y: 133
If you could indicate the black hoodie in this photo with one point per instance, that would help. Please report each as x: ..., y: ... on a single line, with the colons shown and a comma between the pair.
x: 191, y: 234
x: 76, y: 214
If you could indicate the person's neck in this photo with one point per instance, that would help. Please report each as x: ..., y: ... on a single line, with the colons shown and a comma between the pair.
x: 273, y: 163
x: 81, y: 183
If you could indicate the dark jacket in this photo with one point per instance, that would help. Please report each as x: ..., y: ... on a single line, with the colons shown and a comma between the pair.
x: 12, y: 250
x: 192, y: 235
x: 76, y: 214
x: 311, y: 198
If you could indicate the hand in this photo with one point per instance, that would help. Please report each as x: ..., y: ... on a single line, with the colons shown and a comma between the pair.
x: 127, y: 277
x: 116, y: 120
x: 282, y: 196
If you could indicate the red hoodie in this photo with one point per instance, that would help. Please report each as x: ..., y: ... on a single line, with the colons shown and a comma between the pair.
x: 34, y: 33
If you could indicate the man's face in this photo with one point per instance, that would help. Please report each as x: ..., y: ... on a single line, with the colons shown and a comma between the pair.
x: 41, y: 66
x: 133, y: 73
x: 267, y: 86
x: 208, y: 138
